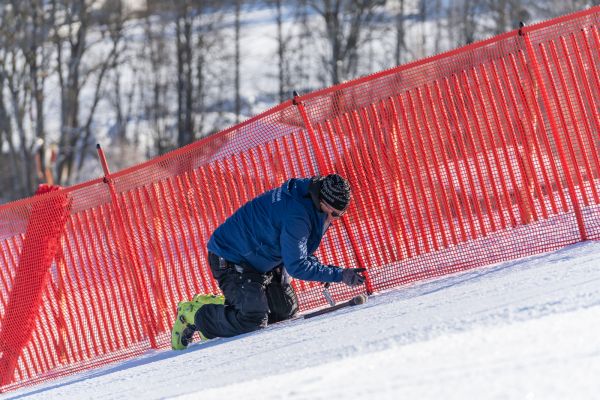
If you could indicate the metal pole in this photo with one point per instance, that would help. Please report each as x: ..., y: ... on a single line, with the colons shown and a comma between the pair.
x: 133, y: 263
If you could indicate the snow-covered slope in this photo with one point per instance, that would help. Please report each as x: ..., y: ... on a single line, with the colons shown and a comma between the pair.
x: 524, y: 329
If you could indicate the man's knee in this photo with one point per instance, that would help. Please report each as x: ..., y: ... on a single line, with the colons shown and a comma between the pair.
x: 253, y: 306
x: 282, y: 300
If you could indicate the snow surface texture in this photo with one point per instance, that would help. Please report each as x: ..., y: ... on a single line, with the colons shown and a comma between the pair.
x: 525, y: 329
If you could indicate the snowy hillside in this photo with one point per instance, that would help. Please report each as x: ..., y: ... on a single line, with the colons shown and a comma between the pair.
x: 524, y: 329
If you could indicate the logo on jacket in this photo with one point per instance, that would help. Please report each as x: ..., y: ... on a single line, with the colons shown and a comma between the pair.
x: 276, y: 195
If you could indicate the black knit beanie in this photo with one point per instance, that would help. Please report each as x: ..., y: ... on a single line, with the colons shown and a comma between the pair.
x: 335, y: 191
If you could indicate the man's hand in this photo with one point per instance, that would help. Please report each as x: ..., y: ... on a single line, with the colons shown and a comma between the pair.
x: 353, y: 276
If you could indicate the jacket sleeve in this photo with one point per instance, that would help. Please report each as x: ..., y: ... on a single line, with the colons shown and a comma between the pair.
x: 299, y: 264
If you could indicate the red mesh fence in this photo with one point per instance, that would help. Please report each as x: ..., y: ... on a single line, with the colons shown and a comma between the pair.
x: 476, y: 156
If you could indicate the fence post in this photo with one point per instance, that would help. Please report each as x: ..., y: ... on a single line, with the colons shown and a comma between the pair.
x: 311, y: 132
x: 323, y: 167
x: 530, y: 51
x: 133, y: 263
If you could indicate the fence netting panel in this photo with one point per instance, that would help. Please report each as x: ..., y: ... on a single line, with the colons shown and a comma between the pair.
x: 472, y: 157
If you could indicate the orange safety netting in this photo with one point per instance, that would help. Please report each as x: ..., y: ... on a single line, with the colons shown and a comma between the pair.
x: 472, y: 157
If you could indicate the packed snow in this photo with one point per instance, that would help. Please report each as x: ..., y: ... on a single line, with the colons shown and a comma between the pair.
x: 523, y: 329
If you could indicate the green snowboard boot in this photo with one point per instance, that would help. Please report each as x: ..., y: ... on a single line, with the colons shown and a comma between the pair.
x: 184, y: 328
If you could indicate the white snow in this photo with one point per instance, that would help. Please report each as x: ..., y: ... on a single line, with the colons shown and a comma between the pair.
x: 524, y: 329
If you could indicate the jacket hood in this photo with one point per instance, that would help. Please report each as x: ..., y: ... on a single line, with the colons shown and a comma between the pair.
x: 304, y: 188
x: 297, y: 187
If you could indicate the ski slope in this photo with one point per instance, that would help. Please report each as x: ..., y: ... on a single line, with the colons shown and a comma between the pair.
x: 525, y: 329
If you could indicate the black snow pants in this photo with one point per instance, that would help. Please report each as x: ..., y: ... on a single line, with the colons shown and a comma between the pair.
x: 252, y: 299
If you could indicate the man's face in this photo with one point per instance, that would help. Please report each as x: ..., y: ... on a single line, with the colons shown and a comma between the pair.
x: 332, y: 213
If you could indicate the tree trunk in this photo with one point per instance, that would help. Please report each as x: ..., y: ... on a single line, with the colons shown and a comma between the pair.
x: 280, y: 51
x: 400, y: 33
x: 347, y: 23
x: 7, y: 131
x: 184, y: 76
x: 238, y: 99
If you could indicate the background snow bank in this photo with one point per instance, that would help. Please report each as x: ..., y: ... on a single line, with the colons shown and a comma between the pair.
x: 523, y: 329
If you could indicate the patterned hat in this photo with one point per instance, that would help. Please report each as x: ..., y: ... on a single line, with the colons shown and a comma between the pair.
x: 335, y: 191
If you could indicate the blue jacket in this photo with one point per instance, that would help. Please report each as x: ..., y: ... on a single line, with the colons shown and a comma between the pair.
x: 280, y: 226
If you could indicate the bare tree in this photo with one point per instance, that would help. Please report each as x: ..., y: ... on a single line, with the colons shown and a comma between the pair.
x: 299, y: 64
x: 7, y: 50
x: 400, y: 30
x: 121, y: 95
x: 507, y: 14
x: 19, y: 95
x: 82, y: 25
x: 237, y: 61
x: 462, y: 21
x: 185, y: 66
x: 10, y: 170
x: 209, y: 46
x: 281, y: 48
x: 346, y: 27
x: 24, y: 68
x: 191, y: 77
x: 155, y: 79
x: 292, y: 68
x: 554, y: 8
x: 36, y: 55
